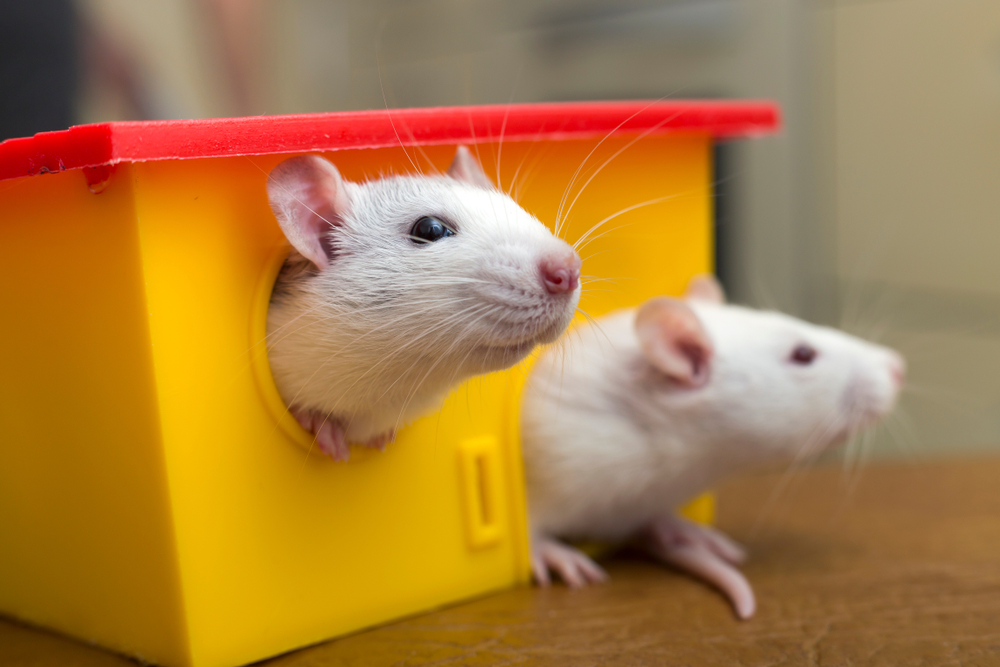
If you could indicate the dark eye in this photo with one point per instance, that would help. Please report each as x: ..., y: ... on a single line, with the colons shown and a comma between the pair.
x: 429, y: 230
x: 803, y: 355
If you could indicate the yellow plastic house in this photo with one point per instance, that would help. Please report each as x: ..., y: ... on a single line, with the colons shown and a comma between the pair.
x: 155, y: 496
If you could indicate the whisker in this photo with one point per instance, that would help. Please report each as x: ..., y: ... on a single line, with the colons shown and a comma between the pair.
x: 621, y: 150
x: 503, y: 126
x: 572, y: 181
x: 378, y: 66
x: 819, y: 434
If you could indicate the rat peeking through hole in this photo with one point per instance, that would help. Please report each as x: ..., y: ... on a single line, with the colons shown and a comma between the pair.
x: 400, y: 288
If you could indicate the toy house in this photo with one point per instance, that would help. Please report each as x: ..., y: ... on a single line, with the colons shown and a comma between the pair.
x: 156, y: 498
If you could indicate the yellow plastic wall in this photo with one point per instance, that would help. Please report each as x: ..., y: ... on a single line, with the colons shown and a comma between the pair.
x: 87, y: 544
x: 154, y: 496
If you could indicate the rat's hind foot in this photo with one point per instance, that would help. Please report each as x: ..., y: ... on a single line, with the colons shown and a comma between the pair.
x: 329, y: 433
x: 704, y: 553
x: 573, y: 566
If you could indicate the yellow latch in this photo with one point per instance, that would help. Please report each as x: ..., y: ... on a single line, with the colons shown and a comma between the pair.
x: 479, y: 462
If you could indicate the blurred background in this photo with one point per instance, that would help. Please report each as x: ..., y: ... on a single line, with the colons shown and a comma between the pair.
x: 876, y: 209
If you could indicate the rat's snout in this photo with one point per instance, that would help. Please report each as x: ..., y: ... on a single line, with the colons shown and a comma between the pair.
x: 897, y: 369
x: 560, y: 271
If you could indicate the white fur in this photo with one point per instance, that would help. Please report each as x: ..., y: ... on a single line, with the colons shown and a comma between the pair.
x: 611, y: 445
x: 380, y: 336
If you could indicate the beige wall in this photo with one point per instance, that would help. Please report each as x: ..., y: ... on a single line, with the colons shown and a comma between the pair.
x: 917, y: 157
x: 168, y: 47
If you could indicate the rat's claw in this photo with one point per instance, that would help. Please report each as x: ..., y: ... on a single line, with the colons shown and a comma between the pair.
x: 329, y: 434
x: 721, y: 545
x: 304, y: 418
x: 540, y: 570
x: 573, y: 566
x: 331, y: 440
x: 704, y: 553
x: 381, y: 440
x: 697, y: 560
x: 675, y: 530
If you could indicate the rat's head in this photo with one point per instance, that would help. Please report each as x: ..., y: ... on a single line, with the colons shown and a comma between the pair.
x: 443, y: 267
x: 763, y: 382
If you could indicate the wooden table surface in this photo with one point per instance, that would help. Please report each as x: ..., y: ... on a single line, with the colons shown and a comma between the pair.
x: 901, y: 569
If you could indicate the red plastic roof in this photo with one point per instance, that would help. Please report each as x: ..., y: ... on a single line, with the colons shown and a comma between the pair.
x: 111, y: 143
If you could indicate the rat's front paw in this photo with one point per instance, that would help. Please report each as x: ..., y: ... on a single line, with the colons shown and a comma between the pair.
x: 329, y: 433
x: 704, y: 553
x: 573, y: 566
x: 380, y: 441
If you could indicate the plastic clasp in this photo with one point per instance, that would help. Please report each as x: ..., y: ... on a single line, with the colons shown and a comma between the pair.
x: 479, y: 471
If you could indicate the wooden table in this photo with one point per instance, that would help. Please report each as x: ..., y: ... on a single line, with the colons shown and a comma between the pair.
x: 901, y: 569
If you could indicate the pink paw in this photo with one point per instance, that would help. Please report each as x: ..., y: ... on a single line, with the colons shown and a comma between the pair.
x: 573, y: 566
x: 329, y: 433
x: 704, y: 553
x: 381, y: 440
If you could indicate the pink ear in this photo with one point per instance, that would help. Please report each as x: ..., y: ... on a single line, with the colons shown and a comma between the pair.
x: 674, y: 341
x: 308, y: 198
x: 705, y: 287
x: 467, y: 169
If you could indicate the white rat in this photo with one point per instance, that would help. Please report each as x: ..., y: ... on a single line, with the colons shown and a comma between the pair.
x: 398, y: 289
x: 645, y: 409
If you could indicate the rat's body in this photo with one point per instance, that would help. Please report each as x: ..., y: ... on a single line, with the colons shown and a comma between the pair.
x: 647, y: 408
x: 400, y: 288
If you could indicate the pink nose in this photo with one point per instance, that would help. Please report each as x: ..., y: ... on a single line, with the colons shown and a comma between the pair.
x: 560, y: 272
x: 897, y: 367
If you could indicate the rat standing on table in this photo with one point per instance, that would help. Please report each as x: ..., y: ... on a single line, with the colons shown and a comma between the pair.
x: 398, y: 289
x: 646, y: 408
